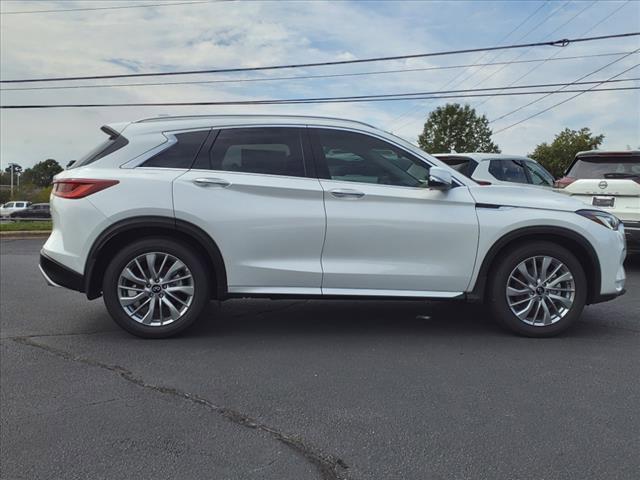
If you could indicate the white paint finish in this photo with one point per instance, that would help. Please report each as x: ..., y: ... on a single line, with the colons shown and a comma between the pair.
x: 626, y: 192
x: 608, y: 244
x: 389, y: 241
x: 398, y: 238
x: 269, y: 228
x: 76, y: 225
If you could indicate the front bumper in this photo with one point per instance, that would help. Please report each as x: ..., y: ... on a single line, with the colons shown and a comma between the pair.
x: 58, y: 275
x: 632, y: 234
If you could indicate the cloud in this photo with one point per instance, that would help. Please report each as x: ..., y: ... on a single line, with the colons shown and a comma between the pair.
x: 227, y: 34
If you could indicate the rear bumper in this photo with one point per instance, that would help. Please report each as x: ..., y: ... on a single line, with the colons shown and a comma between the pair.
x: 58, y: 275
x: 632, y: 234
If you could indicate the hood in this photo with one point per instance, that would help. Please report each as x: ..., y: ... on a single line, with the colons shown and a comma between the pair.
x: 525, y: 197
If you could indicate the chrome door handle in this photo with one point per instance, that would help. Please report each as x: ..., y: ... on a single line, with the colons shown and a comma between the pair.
x: 211, y: 182
x: 346, y: 193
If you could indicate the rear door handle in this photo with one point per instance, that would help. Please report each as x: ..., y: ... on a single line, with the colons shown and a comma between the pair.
x: 346, y: 193
x: 211, y: 182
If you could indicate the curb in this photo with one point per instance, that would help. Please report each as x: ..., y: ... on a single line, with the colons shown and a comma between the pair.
x: 18, y: 234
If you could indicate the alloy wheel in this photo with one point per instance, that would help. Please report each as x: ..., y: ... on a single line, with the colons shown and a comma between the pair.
x: 155, y: 289
x: 540, y: 290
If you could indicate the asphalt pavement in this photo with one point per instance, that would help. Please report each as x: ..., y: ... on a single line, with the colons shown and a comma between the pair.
x: 263, y: 389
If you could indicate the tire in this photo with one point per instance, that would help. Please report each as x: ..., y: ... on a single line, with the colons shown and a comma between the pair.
x: 178, y: 299
x: 561, y: 313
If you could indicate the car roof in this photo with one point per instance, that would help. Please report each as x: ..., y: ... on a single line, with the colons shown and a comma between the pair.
x: 166, y: 123
x: 481, y: 157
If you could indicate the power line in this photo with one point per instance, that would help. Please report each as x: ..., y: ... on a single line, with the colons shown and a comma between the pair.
x: 555, y: 43
x: 415, y: 108
x: 591, y: 89
x: 296, y: 101
x: 87, y: 9
x: 495, y: 72
x: 411, y: 111
x: 307, y: 77
x: 554, y: 55
x: 561, y: 88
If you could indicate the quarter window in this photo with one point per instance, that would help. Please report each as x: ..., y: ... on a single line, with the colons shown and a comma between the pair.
x: 508, y: 171
x: 182, y: 153
x: 355, y: 157
x: 265, y: 150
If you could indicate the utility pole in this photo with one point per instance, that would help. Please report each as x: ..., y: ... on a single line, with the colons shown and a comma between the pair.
x: 11, y: 175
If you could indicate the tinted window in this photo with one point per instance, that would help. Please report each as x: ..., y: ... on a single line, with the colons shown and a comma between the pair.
x: 508, y: 171
x: 538, y: 175
x: 182, y: 153
x: 102, y: 150
x: 354, y: 157
x: 602, y: 166
x: 272, y: 151
x: 464, y: 165
x: 20, y: 205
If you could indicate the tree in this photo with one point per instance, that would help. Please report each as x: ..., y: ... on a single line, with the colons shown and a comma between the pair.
x: 557, y: 156
x: 41, y: 174
x: 454, y: 127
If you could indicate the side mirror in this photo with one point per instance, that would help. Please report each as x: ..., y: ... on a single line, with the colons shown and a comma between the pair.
x: 439, y: 179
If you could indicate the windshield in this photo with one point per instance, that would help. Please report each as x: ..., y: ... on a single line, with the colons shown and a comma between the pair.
x: 605, y: 167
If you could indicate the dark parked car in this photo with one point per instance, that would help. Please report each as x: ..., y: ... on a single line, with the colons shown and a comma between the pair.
x: 37, y: 210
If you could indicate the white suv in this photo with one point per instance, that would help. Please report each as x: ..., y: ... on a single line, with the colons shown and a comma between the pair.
x: 169, y: 213
x: 498, y: 168
x: 611, y: 181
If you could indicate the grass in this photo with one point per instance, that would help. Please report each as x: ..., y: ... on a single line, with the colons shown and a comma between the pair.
x: 22, y: 226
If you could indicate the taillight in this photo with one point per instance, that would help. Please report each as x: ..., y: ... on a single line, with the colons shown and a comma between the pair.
x: 80, y: 187
x: 564, y: 182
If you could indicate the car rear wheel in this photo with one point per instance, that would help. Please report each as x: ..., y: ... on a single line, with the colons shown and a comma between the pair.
x: 155, y: 288
x: 538, y: 289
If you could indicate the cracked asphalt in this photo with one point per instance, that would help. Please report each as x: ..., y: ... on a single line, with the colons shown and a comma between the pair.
x: 311, y: 389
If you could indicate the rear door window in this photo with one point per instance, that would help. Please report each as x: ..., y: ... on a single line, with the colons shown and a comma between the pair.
x: 182, y: 153
x: 263, y: 150
x: 508, y: 171
x: 603, y: 166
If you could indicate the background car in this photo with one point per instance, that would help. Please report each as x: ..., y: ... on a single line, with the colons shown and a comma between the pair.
x: 498, y: 168
x: 36, y: 210
x: 611, y: 181
x: 11, y: 207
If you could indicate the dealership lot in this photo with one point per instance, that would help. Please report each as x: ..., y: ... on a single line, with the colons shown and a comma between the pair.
x: 311, y: 389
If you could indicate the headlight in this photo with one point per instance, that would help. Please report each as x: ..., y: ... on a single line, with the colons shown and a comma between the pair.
x: 603, y: 218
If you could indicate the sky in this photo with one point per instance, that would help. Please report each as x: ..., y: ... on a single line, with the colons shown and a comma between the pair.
x: 226, y: 34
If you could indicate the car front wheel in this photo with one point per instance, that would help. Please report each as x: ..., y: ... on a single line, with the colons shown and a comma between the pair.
x: 538, y: 289
x: 155, y: 288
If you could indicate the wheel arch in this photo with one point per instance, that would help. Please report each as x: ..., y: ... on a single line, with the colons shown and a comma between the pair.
x: 135, y: 228
x: 569, y: 239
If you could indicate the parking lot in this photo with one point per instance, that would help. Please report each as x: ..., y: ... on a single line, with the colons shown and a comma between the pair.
x: 312, y: 389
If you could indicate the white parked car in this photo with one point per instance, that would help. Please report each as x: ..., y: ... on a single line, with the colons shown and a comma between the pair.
x: 498, y: 168
x: 611, y: 181
x: 10, y: 207
x: 171, y: 212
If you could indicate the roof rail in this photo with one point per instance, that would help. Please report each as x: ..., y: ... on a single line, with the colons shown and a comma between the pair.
x: 188, y: 117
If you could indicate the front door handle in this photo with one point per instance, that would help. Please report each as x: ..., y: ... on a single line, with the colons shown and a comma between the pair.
x: 346, y: 193
x: 211, y: 182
